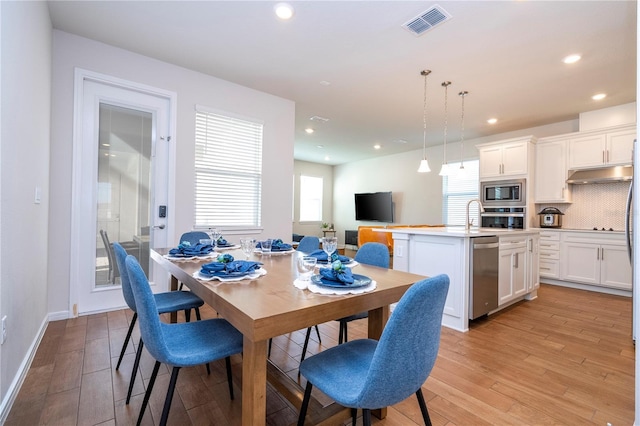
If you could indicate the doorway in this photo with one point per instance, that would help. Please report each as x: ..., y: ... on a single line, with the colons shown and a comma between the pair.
x: 122, y: 159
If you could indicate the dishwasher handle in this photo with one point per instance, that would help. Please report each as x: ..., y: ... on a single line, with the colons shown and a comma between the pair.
x: 477, y: 246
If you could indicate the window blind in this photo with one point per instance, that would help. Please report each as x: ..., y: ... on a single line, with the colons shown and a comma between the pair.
x: 228, y: 171
x: 458, y: 190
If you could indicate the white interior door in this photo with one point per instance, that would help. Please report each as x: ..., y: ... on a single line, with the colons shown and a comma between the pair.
x: 121, y: 167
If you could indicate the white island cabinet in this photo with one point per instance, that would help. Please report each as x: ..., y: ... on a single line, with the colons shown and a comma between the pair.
x: 434, y: 251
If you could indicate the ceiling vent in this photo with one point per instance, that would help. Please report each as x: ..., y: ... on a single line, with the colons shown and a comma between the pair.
x: 428, y: 19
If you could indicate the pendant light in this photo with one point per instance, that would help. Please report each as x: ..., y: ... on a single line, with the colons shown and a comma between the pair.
x: 462, y: 171
x: 424, y: 164
x: 444, y: 171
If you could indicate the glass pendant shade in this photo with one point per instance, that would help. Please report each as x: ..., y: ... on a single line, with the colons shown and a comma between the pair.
x: 445, y: 170
x: 424, y: 166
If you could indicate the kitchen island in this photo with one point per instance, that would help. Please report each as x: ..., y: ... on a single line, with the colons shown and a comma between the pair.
x: 446, y: 250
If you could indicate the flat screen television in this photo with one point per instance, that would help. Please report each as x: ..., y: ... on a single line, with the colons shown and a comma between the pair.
x: 374, y: 207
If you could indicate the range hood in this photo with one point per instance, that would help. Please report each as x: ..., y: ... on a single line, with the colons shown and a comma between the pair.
x: 601, y: 175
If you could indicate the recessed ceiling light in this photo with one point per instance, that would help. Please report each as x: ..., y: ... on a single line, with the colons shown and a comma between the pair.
x: 377, y: 146
x: 599, y: 96
x: 399, y: 141
x: 283, y: 10
x: 571, y: 59
x: 327, y: 158
x: 325, y: 83
x: 309, y: 130
x: 320, y: 146
x: 106, y: 144
x: 492, y: 120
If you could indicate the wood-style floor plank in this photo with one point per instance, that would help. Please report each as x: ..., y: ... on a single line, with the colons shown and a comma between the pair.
x: 564, y: 358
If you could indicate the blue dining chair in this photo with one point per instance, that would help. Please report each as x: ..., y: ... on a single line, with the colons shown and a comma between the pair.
x: 375, y: 254
x: 172, y: 301
x: 309, y: 244
x: 193, y: 237
x: 368, y: 374
x: 178, y: 345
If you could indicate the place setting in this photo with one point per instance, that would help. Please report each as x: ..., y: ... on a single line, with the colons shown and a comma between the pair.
x: 273, y: 246
x: 226, y: 269
x: 336, y: 279
x: 329, y: 254
x: 186, y: 251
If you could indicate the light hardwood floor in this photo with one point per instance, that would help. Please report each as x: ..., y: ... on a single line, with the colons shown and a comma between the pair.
x: 564, y: 358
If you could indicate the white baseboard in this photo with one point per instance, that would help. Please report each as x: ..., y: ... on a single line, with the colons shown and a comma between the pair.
x: 21, y: 374
x: 61, y: 315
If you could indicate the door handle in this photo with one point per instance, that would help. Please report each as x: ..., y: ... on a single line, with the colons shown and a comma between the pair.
x: 159, y: 226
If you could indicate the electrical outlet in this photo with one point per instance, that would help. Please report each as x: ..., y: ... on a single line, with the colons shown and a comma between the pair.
x: 3, y: 336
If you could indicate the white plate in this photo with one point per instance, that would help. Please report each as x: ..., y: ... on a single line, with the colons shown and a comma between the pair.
x: 257, y: 274
x: 233, y: 247
x: 258, y: 251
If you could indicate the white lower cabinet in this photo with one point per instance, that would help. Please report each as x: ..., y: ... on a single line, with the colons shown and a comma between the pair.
x: 600, y: 260
x: 550, y: 254
x: 512, y: 268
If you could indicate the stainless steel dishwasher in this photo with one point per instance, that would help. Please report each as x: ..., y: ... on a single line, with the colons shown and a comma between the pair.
x: 483, y: 291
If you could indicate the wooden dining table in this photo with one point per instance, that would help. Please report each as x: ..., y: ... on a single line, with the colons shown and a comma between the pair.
x: 271, y: 306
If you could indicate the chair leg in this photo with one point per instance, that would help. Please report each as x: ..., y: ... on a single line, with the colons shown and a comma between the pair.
x: 126, y: 339
x: 167, y: 401
x: 305, y: 403
x: 346, y: 329
x: 136, y: 363
x: 198, y: 314
x: 229, y: 378
x: 187, y: 315
x: 269, y: 351
x: 180, y: 288
x: 318, y: 333
x: 423, y: 407
x: 366, y: 417
x: 306, y: 344
x: 354, y: 416
x: 147, y: 394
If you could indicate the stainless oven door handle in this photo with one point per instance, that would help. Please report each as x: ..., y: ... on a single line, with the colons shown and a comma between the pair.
x: 502, y: 214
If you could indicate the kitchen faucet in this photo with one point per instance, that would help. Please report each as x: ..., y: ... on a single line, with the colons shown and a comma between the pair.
x: 467, y: 225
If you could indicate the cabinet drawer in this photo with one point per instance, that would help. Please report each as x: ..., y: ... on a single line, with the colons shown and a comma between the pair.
x: 549, y: 255
x: 549, y: 268
x: 549, y: 245
x: 549, y: 236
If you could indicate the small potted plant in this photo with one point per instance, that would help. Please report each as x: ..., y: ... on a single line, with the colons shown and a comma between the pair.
x: 325, y: 226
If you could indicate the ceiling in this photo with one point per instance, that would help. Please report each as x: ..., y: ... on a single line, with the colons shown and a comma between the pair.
x: 352, y: 62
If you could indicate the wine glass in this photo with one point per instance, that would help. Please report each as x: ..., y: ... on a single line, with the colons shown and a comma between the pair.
x: 306, y: 265
x: 215, y: 234
x: 329, y: 245
x: 248, y: 246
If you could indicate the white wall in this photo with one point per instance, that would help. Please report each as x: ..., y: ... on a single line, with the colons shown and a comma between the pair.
x: 316, y: 170
x: 417, y: 196
x: 26, y: 110
x: 192, y: 88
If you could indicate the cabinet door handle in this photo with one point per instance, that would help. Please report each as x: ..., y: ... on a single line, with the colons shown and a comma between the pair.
x: 598, y: 253
x: 602, y: 254
x: 603, y: 157
x: 607, y: 156
x: 516, y: 260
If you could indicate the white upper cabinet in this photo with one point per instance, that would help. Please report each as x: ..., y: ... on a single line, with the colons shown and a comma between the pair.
x: 504, y: 159
x: 598, y: 149
x: 551, y: 172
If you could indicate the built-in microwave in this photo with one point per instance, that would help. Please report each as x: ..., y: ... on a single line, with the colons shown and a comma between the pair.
x: 504, y: 193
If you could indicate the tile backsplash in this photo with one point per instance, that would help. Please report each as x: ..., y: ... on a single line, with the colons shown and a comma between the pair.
x: 601, y: 205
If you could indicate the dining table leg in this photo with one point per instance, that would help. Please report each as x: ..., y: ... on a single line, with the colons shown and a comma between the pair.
x: 254, y: 382
x: 173, y: 286
x: 377, y: 320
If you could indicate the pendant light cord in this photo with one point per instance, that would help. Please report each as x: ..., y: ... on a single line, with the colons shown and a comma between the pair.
x: 425, y: 73
x: 462, y: 95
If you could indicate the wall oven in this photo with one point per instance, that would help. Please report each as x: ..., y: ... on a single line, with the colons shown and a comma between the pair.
x: 503, y: 217
x: 505, y: 193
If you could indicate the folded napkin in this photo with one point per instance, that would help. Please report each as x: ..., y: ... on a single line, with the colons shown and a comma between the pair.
x: 221, y: 242
x: 186, y: 249
x: 338, y: 273
x: 322, y: 256
x: 277, y: 245
x: 235, y: 267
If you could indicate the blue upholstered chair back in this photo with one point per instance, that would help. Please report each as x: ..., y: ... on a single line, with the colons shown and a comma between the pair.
x: 376, y: 254
x: 193, y: 237
x: 408, y: 347
x: 149, y: 320
x: 121, y: 255
x: 309, y: 244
